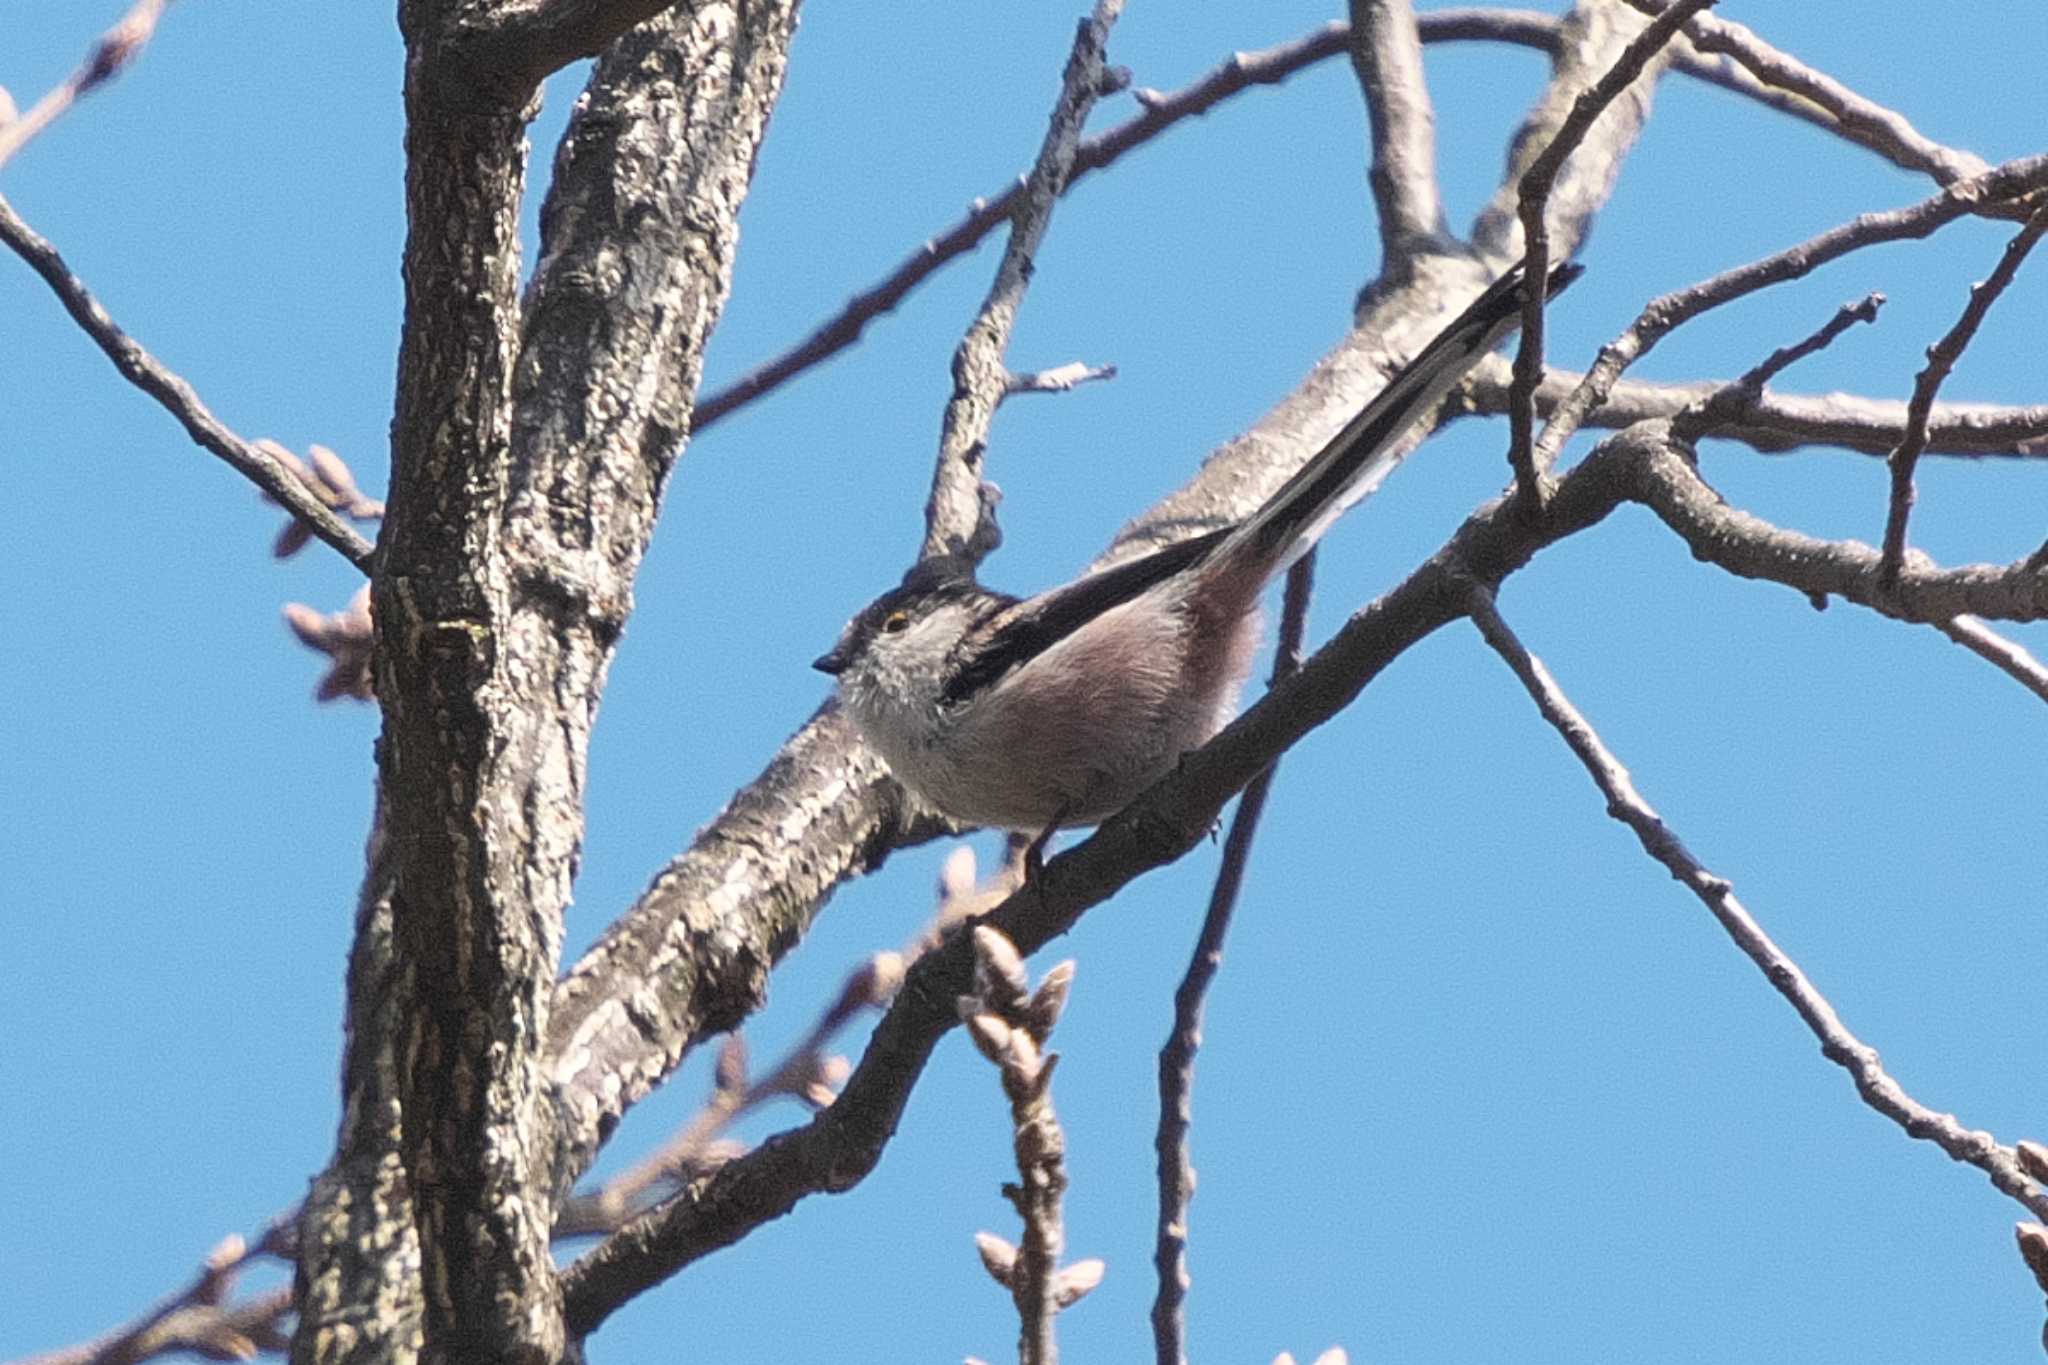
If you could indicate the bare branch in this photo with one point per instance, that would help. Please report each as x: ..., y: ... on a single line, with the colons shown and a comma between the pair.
x: 806, y: 1073
x: 529, y: 442
x: 1159, y: 112
x: 1591, y: 38
x: 115, y: 49
x: 1386, y: 51
x: 1941, y: 359
x: 1059, y: 379
x: 1271, y: 66
x: 2008, y: 655
x: 1819, y: 98
x: 958, y: 517
x: 1838, y: 1044
x: 1774, y: 423
x: 2003, y: 183
x: 198, y: 1318
x: 1533, y: 208
x: 1177, y: 1057
x: 147, y: 373
x: 330, y: 479
x: 1704, y: 415
x: 1657, y: 471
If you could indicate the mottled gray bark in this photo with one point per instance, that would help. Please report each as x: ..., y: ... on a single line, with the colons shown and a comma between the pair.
x: 357, y: 1284
x: 529, y: 451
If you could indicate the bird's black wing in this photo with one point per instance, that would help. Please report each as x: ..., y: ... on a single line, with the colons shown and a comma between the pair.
x: 1022, y: 631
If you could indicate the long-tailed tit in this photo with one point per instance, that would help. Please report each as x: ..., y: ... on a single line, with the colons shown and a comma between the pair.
x: 1056, y: 710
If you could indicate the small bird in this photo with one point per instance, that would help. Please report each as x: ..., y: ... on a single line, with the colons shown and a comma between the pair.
x: 1053, y: 711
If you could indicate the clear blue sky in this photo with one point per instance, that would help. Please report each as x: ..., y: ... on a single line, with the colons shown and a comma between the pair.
x: 1480, y: 1083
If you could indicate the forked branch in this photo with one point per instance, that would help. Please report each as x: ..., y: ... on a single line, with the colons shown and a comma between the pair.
x: 1840, y: 1046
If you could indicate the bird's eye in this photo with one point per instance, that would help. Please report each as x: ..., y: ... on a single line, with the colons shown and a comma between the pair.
x: 896, y: 622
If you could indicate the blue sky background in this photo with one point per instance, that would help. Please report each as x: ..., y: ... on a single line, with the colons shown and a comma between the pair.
x: 1480, y: 1082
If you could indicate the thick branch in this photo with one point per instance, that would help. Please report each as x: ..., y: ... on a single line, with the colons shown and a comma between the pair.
x: 1386, y: 52
x: 1837, y: 1043
x: 958, y: 517
x: 357, y: 1277
x: 509, y: 47
x: 692, y: 956
x: 147, y: 373
x: 522, y: 498
x: 467, y: 807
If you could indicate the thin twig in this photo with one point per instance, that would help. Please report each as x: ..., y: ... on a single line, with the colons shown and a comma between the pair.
x: 147, y: 373
x: 115, y: 49
x: 1177, y: 1057
x: 1838, y: 1044
x: 1158, y: 112
x: 1662, y: 314
x: 694, y: 1147
x: 1386, y: 52
x: 1533, y: 208
x: 1765, y: 75
x: 958, y: 516
x: 1941, y: 359
x: 1777, y: 362
x: 1775, y: 423
x: 2009, y: 655
x: 1843, y: 112
x: 1704, y: 414
x: 196, y: 1318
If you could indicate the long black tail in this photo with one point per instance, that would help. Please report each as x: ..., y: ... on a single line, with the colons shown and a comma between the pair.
x: 1360, y: 456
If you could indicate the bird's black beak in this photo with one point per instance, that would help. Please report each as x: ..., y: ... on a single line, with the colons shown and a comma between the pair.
x: 833, y: 662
